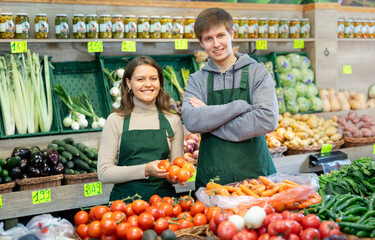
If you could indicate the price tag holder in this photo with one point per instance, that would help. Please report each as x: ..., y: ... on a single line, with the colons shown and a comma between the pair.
x: 128, y: 46
x: 326, y: 148
x: 347, y: 69
x: 18, y: 47
x: 41, y: 196
x: 299, y: 43
x: 1, y: 201
x: 95, y: 46
x: 181, y: 44
x: 261, y: 45
x: 192, y: 179
x: 93, y: 189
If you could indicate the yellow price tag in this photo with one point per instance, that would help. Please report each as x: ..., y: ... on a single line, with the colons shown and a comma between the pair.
x: 192, y: 179
x: 299, y: 43
x: 1, y: 201
x: 96, y: 46
x: 326, y: 148
x: 18, y: 47
x: 128, y: 46
x: 372, y: 152
x: 347, y: 69
x: 93, y: 189
x: 181, y: 44
x: 261, y: 45
x: 41, y: 196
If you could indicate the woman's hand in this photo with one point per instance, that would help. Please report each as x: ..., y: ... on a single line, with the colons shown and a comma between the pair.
x: 151, y: 169
x: 195, y: 102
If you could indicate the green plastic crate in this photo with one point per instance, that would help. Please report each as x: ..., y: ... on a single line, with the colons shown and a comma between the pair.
x: 80, y: 77
x: 55, y: 128
x: 268, y: 58
x: 177, y: 61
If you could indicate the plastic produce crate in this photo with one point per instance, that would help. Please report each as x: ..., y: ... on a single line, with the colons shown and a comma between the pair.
x: 55, y: 128
x: 268, y: 58
x: 78, y: 77
x: 177, y: 61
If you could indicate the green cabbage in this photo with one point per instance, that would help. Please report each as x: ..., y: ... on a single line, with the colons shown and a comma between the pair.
x: 301, y: 89
x: 287, y: 79
x: 292, y: 107
x: 280, y: 99
x: 290, y: 94
x: 297, y: 74
x: 307, y: 75
x: 283, y: 64
x: 312, y: 91
x: 294, y: 59
x: 316, y: 104
x: 303, y: 104
x: 305, y: 63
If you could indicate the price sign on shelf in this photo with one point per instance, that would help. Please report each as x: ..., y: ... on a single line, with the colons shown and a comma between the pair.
x: 261, y: 45
x: 128, y: 46
x: 298, y: 43
x: 95, y: 46
x: 373, y: 150
x: 18, y: 47
x: 93, y: 189
x: 1, y: 201
x: 326, y: 148
x: 181, y: 44
x: 41, y: 196
x: 347, y: 69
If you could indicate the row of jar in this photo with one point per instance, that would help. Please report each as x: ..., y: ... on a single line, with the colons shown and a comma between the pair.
x: 90, y: 26
x: 358, y: 28
x: 272, y: 28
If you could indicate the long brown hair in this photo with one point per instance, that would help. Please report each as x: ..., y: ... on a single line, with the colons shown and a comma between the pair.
x: 127, y: 104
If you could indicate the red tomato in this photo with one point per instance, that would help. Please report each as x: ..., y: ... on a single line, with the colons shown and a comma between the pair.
x: 226, y: 230
x: 293, y: 216
x: 154, y: 198
x: 173, y: 227
x: 133, y: 220
x: 262, y: 230
x: 94, y: 230
x: 213, y: 211
x: 190, y: 167
x: 177, y: 209
x: 295, y: 226
x: 134, y: 233
x: 146, y: 221
x: 156, y: 212
x: 184, y: 223
x: 197, y: 207
x: 119, y: 216
x: 183, y: 175
x: 118, y: 205
x: 167, y: 209
x: 185, y: 215
x: 310, y: 221
x: 264, y: 236
x: 276, y: 238
x: 269, y: 209
x: 164, y: 164
x: 82, y: 230
x: 108, y: 226
x: 279, y: 228
x: 222, y: 217
x: 213, y: 225
x: 160, y: 225
x: 246, y: 234
x: 173, y: 170
x: 139, y: 206
x: 81, y: 217
x: 92, y: 213
x: 327, y: 228
x: 179, y: 161
x: 107, y: 215
x: 168, y: 200
x: 200, y: 219
x: 293, y: 237
x: 121, y: 230
x: 186, y: 202
x: 108, y: 237
x: 310, y: 234
x: 271, y: 218
x: 129, y: 210
x: 100, y: 211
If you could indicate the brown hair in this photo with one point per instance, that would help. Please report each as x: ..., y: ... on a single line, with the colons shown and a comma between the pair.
x: 127, y: 104
x: 212, y: 17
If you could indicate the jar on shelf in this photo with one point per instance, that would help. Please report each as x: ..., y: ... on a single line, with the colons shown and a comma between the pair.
x: 130, y: 26
x: 340, y: 28
x: 118, y: 26
x: 349, y: 28
x: 22, y: 26
x: 143, y: 27
x: 294, y: 28
x: 177, y: 27
x: 41, y: 26
x: 235, y: 27
x: 61, y: 26
x: 189, y: 27
x: 305, y: 28
x: 105, y: 26
x: 365, y: 28
x: 263, y: 28
x: 92, y: 26
x: 357, y: 28
x: 371, y: 29
x: 155, y: 27
x: 273, y: 28
x: 242, y: 28
x: 283, y: 28
x: 79, y: 26
x: 166, y: 27
x: 253, y: 27
x: 7, y: 29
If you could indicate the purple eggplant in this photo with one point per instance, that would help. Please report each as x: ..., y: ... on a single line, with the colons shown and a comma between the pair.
x: 45, y: 170
x: 22, y: 152
x: 24, y: 164
x: 52, y: 156
x: 58, y: 168
x: 33, y: 171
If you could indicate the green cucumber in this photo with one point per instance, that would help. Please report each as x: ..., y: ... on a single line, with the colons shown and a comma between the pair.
x: 81, y: 164
x: 92, y: 170
x: 63, y: 160
x: 60, y: 149
x: 59, y: 142
x: 70, y: 164
x: 91, y: 155
x: 81, y: 171
x: 54, y: 146
x: 67, y: 155
x: 4, y: 173
x: 68, y: 171
x: 74, y: 151
x: 7, y: 179
x: 94, y: 164
x: 83, y: 148
x: 3, y: 162
x: 82, y: 156
x: 69, y: 140
x: 76, y: 172
x: 13, y: 161
x: 89, y: 162
x: 95, y: 152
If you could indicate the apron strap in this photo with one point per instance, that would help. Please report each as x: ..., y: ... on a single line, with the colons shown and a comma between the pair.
x: 164, y: 124
x: 244, y: 77
x: 210, y: 88
x: 125, y: 126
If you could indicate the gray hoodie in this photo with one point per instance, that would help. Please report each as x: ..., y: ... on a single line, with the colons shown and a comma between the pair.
x: 238, y: 120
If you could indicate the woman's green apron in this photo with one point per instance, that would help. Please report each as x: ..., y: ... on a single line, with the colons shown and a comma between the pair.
x: 141, y: 147
x: 231, y: 161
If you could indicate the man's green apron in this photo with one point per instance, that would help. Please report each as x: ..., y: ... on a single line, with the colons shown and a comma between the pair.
x: 231, y: 161
x: 141, y: 147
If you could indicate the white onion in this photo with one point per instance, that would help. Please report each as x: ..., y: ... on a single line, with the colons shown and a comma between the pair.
x: 120, y: 72
x: 238, y: 221
x: 116, y: 105
x: 94, y: 124
x: 101, y: 122
x: 67, y: 122
x: 254, y: 217
x: 75, y: 125
x: 83, y: 123
x: 114, y: 91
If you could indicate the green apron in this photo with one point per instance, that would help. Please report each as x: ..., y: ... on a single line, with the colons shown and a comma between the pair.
x: 141, y: 147
x: 231, y: 161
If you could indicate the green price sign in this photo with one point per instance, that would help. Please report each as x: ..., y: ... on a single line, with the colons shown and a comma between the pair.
x: 1, y: 201
x: 192, y: 179
x: 261, y: 45
x: 41, y: 196
x: 347, y: 69
x: 326, y: 148
x: 299, y: 43
x: 18, y: 47
x: 181, y: 44
x: 96, y: 46
x: 128, y: 46
x: 93, y: 189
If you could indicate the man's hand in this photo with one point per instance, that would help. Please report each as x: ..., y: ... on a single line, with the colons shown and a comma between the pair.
x: 195, y: 102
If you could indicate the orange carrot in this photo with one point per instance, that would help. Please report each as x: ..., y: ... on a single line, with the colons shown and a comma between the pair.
x: 270, y: 192
x: 291, y: 182
x: 239, y: 192
x: 248, y: 191
x: 213, y: 185
x: 266, y: 181
x: 222, y: 191
x: 260, y: 189
x: 254, y: 182
x: 230, y: 189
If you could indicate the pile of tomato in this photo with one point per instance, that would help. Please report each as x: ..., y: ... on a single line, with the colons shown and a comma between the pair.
x: 180, y: 169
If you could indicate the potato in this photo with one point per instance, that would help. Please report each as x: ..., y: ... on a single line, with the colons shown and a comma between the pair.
x: 316, y: 131
x: 304, y: 143
x: 330, y: 131
x: 312, y: 122
x: 287, y: 115
x: 289, y: 129
x: 334, y: 118
x: 302, y: 135
x: 325, y: 138
x: 289, y: 135
x: 311, y: 133
x: 280, y: 130
x: 304, y: 117
x: 327, y: 124
x: 320, y: 142
x: 280, y: 117
x: 293, y: 143
x: 366, y: 132
x: 285, y: 122
x: 321, y: 121
x: 329, y: 142
x: 315, y: 144
x: 335, y: 137
x: 286, y: 143
x: 316, y: 137
x: 297, y: 139
x: 297, y: 117
x: 298, y: 127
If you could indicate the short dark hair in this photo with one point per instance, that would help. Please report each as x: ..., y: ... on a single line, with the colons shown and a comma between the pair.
x: 212, y: 17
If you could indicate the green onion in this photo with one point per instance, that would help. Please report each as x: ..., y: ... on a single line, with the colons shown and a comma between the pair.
x: 185, y: 72
x: 170, y: 74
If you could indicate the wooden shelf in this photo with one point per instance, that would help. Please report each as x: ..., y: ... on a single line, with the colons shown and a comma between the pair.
x: 356, y: 39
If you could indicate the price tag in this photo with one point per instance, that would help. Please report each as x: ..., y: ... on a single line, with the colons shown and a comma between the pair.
x: 93, y: 189
x: 299, y: 43
x: 192, y: 179
x: 1, y: 201
x: 181, y: 44
x: 326, y: 148
x: 372, y: 152
x: 347, y: 69
x: 41, y: 196
x: 18, y: 47
x: 261, y: 45
x: 96, y: 46
x: 128, y: 46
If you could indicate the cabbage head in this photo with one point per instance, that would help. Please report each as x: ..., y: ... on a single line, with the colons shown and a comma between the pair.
x: 304, y: 63
x: 297, y: 74
x: 287, y: 79
x: 294, y: 59
x: 316, y: 104
x: 307, y: 75
x: 303, y: 104
x: 292, y: 107
x: 280, y: 99
x: 290, y: 94
x: 301, y: 89
x: 283, y: 64
x: 312, y: 91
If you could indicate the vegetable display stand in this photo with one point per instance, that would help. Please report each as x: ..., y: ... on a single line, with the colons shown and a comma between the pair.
x: 80, y: 178
x: 210, y: 233
x: 277, y: 152
x: 7, y: 187
x: 39, y: 182
x: 79, y: 77
x: 355, y: 142
x: 309, y: 149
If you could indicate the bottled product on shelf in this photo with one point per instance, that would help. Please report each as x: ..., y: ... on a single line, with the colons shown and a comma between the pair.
x: 61, y: 26
x: 22, y: 26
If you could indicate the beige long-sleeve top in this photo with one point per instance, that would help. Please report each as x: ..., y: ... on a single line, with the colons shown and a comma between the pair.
x: 143, y: 116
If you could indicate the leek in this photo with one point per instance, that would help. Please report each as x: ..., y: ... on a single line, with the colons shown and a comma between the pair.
x: 6, y: 103
x: 185, y: 72
x: 170, y: 74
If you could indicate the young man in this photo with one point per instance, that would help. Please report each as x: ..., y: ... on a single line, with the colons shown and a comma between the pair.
x: 232, y: 102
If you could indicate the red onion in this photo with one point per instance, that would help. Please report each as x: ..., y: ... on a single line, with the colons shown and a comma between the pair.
x: 195, y: 154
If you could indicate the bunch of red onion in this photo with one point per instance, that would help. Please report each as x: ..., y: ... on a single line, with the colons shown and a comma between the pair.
x: 191, y: 147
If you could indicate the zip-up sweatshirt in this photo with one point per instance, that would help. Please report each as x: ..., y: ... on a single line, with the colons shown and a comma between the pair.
x: 237, y: 120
